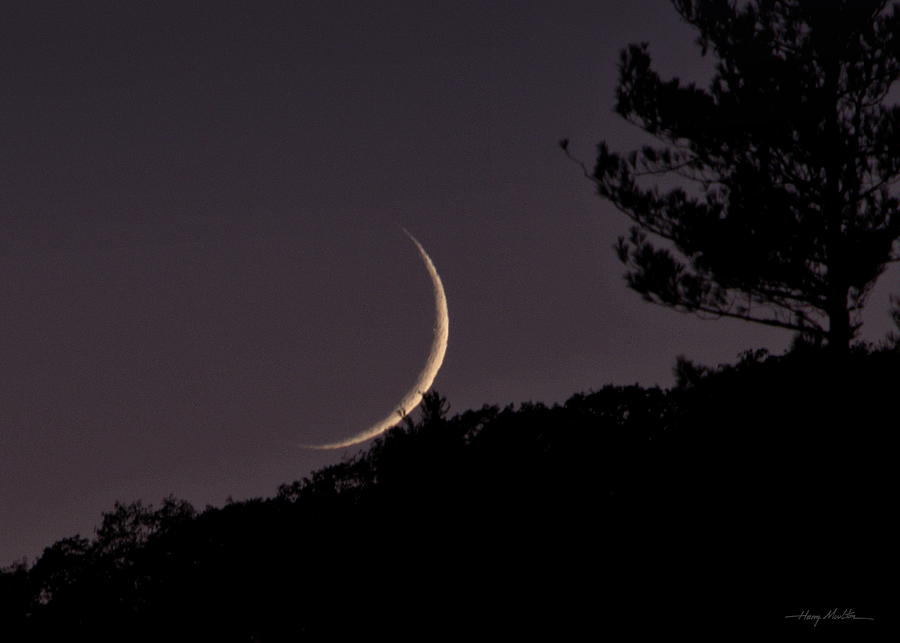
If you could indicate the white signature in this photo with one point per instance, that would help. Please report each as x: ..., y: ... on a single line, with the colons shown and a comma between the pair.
x: 831, y: 615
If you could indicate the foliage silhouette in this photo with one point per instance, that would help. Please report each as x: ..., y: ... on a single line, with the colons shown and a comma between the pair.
x: 788, y: 156
x: 542, y: 520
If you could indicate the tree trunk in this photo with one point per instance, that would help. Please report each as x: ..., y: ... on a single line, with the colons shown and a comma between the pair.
x: 839, y: 333
x: 832, y: 208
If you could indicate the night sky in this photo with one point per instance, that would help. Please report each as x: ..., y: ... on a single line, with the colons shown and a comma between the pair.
x: 202, y: 258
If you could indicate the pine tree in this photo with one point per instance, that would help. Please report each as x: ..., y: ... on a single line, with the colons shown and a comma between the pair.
x: 787, y: 216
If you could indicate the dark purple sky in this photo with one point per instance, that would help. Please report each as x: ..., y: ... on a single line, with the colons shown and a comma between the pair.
x: 201, y: 258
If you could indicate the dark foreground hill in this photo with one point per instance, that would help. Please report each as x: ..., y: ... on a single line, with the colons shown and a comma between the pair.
x: 743, y: 495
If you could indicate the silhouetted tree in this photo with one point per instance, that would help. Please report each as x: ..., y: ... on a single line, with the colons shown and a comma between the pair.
x: 434, y: 408
x: 59, y: 567
x: 129, y: 526
x: 788, y: 219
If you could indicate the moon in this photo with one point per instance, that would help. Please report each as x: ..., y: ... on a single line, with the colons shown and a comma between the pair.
x: 423, y: 382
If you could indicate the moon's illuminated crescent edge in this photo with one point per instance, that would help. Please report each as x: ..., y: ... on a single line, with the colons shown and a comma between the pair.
x: 426, y: 377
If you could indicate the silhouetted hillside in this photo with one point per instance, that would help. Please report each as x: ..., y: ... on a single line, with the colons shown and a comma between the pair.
x: 762, y: 483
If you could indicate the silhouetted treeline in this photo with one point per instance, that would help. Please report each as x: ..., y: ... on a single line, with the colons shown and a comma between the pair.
x: 764, y: 482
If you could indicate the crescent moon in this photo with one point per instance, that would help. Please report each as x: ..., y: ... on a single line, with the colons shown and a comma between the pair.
x: 432, y: 365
